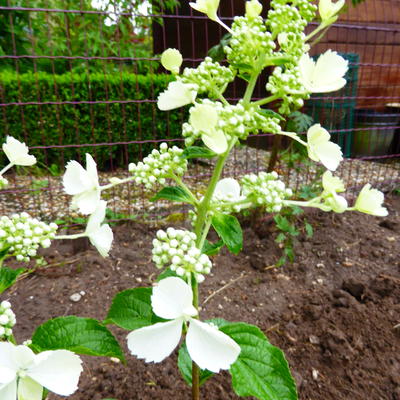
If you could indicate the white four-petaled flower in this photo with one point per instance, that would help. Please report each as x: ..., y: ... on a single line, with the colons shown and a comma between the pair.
x: 325, y: 75
x: 333, y: 185
x: 370, y: 201
x: 208, y: 347
x: 17, y: 152
x: 101, y: 236
x: 204, y: 118
x: 177, y: 95
x: 24, y: 373
x: 321, y: 149
x: 83, y: 185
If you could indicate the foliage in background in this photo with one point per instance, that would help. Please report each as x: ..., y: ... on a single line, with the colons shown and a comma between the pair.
x: 83, y: 123
x: 122, y: 31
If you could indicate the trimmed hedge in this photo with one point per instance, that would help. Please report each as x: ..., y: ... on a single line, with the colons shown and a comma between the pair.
x: 67, y: 124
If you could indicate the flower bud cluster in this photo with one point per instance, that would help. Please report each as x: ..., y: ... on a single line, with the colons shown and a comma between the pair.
x: 23, y: 235
x: 223, y: 204
x: 3, y: 182
x: 7, y: 320
x: 265, y: 189
x: 209, y: 77
x: 293, y: 17
x: 158, y: 166
x: 176, y: 249
x: 292, y: 44
x: 250, y: 40
x: 235, y: 120
x: 286, y: 84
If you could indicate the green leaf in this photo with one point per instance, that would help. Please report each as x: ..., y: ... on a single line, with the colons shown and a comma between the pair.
x: 211, y: 249
x: 229, y: 230
x: 185, y: 367
x: 197, y: 152
x: 80, y: 335
x: 4, y: 252
x: 309, y: 229
x: 173, y: 193
x: 8, y: 277
x: 131, y: 309
x: 261, y: 369
x: 282, y: 223
x: 270, y: 114
x: 280, y: 238
x: 299, y: 122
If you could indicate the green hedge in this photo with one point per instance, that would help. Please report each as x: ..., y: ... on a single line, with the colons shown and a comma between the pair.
x: 72, y: 124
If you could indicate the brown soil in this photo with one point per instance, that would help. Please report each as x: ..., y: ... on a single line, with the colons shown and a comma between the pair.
x: 333, y: 311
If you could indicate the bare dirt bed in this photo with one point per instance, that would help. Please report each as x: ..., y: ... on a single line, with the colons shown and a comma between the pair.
x: 334, y: 311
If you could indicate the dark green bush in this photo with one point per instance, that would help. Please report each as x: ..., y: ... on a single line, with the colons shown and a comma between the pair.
x: 69, y: 124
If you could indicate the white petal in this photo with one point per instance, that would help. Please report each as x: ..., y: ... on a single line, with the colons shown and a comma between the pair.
x: 316, y: 134
x: 28, y: 389
x: 9, y: 391
x: 171, y: 60
x: 91, y: 168
x: 76, y: 179
x: 370, y: 201
x: 172, y: 298
x: 228, y: 187
x: 215, y: 141
x: 8, y: 364
x: 329, y: 154
x: 177, y: 95
x: 58, y: 371
x: 338, y: 203
x: 17, y: 152
x: 87, y: 201
x: 156, y: 342
x: 96, y: 219
x: 332, y: 183
x: 210, y: 348
x: 203, y: 117
x: 102, y: 239
x: 306, y: 69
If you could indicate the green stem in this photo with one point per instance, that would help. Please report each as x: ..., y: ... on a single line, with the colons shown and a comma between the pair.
x: 76, y: 236
x: 250, y: 87
x: 266, y: 100
x: 111, y: 185
x: 6, y: 168
x: 315, y: 31
x: 205, y: 232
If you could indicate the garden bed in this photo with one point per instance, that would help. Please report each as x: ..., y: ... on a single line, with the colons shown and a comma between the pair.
x: 335, y: 311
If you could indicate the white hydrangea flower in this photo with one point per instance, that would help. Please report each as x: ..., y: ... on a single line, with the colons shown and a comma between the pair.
x: 83, y: 185
x: 321, y: 149
x: 325, y: 75
x: 24, y: 373
x: 7, y: 320
x: 208, y: 7
x: 370, y: 201
x: 171, y: 60
x: 100, y: 235
x: 333, y: 185
x: 208, y: 347
x: 204, y: 118
x: 17, y: 152
x: 328, y: 10
x: 177, y: 95
x: 228, y: 188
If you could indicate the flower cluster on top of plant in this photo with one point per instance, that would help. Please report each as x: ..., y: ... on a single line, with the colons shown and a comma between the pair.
x: 159, y: 317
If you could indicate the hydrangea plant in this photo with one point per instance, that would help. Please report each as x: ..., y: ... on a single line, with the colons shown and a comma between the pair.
x: 161, y: 318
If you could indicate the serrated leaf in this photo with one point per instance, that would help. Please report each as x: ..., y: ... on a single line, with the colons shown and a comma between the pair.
x: 173, y: 193
x: 211, y: 249
x: 300, y: 122
x: 229, y: 230
x: 282, y: 223
x: 270, y: 114
x: 80, y: 335
x: 197, y: 152
x: 261, y: 369
x: 185, y: 367
x: 8, y: 277
x: 131, y: 309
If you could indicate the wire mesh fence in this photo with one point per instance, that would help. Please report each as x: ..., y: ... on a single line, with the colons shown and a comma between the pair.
x: 79, y: 76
